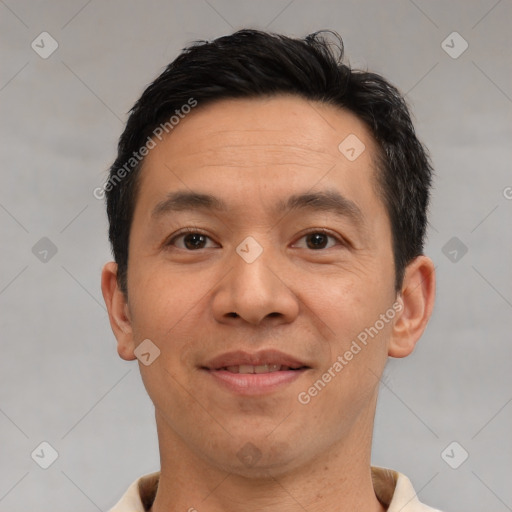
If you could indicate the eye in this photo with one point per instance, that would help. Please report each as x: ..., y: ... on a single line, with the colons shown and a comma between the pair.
x: 319, y: 239
x: 191, y: 240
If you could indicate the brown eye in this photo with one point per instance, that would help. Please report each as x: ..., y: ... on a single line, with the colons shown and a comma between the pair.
x: 194, y: 240
x: 190, y: 241
x: 316, y: 240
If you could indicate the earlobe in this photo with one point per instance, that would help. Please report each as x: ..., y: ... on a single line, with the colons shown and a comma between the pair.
x: 118, y: 311
x: 417, y: 299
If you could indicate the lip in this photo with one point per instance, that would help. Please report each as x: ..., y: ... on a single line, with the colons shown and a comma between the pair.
x: 240, y: 357
x: 251, y: 384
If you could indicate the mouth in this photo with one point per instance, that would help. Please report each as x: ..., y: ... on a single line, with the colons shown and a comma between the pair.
x: 259, y: 369
x: 255, y: 374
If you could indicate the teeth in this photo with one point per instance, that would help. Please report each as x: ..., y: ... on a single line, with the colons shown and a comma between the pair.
x: 267, y: 368
x: 263, y: 368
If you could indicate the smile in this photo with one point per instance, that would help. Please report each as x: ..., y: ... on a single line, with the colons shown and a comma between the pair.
x: 262, y: 368
x: 254, y: 373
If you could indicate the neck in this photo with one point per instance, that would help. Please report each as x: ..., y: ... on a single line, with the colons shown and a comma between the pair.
x: 338, y: 479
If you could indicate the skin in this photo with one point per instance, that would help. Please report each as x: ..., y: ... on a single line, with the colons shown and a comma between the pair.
x: 308, y: 302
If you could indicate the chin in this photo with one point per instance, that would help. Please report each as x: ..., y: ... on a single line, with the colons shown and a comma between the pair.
x: 260, y: 459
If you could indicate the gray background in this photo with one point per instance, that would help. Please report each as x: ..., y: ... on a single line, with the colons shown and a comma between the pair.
x: 61, y: 379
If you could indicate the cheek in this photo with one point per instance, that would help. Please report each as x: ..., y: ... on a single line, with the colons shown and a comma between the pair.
x: 159, y: 298
x: 171, y: 309
x: 351, y: 298
x: 165, y: 310
x: 350, y: 308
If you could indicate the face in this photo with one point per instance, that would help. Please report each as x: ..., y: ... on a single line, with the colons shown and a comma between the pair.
x: 258, y: 245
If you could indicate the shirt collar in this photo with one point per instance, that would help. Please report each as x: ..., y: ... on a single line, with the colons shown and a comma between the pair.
x: 393, y: 489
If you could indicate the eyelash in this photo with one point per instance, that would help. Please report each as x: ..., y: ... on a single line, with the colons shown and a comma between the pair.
x: 193, y: 230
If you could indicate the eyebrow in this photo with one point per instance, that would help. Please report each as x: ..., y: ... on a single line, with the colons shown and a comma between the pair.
x: 326, y: 201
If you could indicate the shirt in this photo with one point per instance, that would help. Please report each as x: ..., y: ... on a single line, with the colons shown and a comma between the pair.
x: 393, y: 489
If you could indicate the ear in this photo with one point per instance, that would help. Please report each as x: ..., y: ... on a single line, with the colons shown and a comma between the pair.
x: 417, y: 300
x: 118, y: 311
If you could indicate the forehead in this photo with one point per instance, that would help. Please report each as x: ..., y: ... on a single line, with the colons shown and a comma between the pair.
x: 290, y: 125
x: 240, y: 148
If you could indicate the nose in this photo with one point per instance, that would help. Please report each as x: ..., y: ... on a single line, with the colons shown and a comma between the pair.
x: 256, y: 291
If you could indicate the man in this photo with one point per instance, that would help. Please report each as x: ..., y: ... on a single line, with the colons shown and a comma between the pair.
x: 267, y: 212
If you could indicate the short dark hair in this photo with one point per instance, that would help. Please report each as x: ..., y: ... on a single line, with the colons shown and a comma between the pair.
x: 252, y: 63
